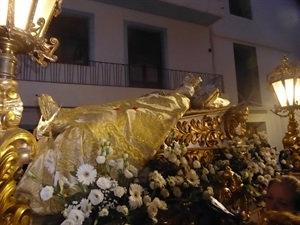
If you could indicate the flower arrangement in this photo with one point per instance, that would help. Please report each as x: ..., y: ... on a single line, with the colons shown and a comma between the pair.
x: 169, y: 185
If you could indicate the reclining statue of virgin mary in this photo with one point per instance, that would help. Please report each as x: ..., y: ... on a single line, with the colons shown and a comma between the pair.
x: 69, y: 137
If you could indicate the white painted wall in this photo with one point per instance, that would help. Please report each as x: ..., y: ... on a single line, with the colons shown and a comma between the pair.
x: 186, y: 44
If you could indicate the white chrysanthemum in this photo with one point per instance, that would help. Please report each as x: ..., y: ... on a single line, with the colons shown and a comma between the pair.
x: 50, y: 162
x: 96, y: 196
x: 86, y: 174
x: 103, y: 212
x: 193, y: 178
x: 46, y: 193
x: 68, y: 222
x: 85, y: 207
x: 119, y: 191
x: 158, y: 179
x: 135, y: 199
x: 100, y: 159
x: 77, y: 216
x: 122, y: 209
x: 104, y: 183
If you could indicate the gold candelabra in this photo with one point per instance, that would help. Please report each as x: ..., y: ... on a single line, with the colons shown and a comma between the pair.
x: 23, y: 24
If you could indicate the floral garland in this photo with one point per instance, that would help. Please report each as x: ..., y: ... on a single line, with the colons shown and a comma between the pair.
x: 115, y: 190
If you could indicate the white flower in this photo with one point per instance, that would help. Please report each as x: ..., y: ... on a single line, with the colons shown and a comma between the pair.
x: 133, y: 169
x: 160, y: 204
x: 103, y: 212
x: 103, y: 183
x: 128, y: 174
x: 120, y: 164
x: 100, y: 159
x: 122, y: 209
x: 172, y: 181
x: 67, y: 211
x: 135, y: 199
x: 146, y: 199
x: 86, y: 174
x: 96, y: 196
x: 86, y: 207
x: 46, y: 193
x: 77, y: 216
x: 119, y: 191
x: 152, y: 212
x: 196, y: 164
x: 158, y: 179
x: 68, y: 222
x: 193, y: 178
x: 112, y: 163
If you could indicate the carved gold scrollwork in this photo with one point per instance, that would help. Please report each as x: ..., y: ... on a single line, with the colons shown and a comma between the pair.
x: 203, y: 131
x: 235, y: 121
x: 12, y: 156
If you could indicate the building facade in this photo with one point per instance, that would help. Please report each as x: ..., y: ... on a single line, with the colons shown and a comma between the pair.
x: 242, y: 41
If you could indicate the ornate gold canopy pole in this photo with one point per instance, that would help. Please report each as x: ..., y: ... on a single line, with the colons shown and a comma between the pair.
x: 23, y: 24
x: 285, y: 82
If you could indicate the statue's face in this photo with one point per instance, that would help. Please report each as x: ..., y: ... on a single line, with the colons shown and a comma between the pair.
x: 11, y: 105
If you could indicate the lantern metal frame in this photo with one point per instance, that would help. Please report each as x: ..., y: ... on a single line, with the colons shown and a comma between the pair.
x: 285, y: 82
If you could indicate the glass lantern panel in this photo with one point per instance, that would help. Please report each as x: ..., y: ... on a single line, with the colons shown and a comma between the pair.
x: 22, y: 13
x: 3, y: 12
x: 280, y: 93
x: 297, y: 91
x: 45, y: 9
x: 289, y: 89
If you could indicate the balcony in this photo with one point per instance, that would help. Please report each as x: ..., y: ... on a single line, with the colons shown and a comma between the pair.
x: 202, y: 13
x: 110, y: 74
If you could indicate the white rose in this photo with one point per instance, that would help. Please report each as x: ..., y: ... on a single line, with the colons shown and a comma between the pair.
x: 119, y: 191
x: 46, y: 193
x: 103, y: 183
x: 100, y: 159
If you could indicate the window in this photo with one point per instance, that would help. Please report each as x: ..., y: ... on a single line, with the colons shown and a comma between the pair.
x: 145, y: 57
x: 240, y: 8
x: 72, y: 31
x: 247, y: 74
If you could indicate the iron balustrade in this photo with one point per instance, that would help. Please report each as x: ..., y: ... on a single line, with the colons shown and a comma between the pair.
x: 105, y: 74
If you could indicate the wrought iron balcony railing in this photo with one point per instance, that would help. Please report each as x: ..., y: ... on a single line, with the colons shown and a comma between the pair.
x: 109, y: 74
